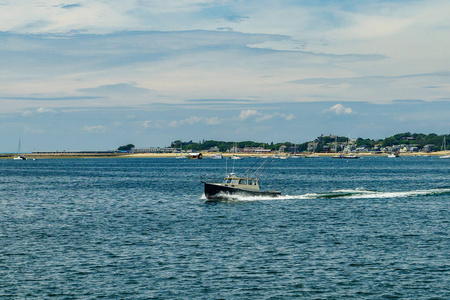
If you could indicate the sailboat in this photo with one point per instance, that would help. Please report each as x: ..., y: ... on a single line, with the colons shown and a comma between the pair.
x: 348, y: 155
x: 19, y: 157
x: 313, y: 154
x: 443, y: 148
x: 336, y: 155
x: 235, y: 150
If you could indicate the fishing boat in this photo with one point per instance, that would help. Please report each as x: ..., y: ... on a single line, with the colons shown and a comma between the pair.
x: 238, y: 185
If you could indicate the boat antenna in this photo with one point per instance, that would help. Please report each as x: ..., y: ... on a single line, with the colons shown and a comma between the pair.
x: 258, y: 171
x: 226, y: 166
x: 243, y: 175
x: 232, y: 171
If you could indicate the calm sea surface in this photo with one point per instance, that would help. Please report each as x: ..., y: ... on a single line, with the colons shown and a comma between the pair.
x: 373, y: 228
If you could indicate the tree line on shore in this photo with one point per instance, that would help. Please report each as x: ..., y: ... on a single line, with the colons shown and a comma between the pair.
x: 419, y: 140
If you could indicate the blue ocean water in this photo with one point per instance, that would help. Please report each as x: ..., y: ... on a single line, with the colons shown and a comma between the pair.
x: 373, y: 228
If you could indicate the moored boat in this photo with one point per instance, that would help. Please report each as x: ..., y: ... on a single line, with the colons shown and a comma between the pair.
x: 444, y: 149
x: 216, y: 156
x: 19, y: 157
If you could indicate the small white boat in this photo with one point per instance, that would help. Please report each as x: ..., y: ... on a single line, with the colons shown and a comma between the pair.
x: 216, y: 156
x: 393, y: 155
x: 236, y: 157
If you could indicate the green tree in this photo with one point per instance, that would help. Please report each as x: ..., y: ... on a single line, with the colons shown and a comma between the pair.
x: 126, y: 147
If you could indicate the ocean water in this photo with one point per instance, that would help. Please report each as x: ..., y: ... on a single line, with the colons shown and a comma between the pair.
x: 373, y: 228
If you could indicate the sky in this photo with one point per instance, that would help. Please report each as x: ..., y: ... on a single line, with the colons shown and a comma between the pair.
x: 98, y: 74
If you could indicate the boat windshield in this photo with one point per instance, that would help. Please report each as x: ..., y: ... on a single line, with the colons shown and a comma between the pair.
x: 243, y: 181
x: 235, y: 181
x: 252, y: 182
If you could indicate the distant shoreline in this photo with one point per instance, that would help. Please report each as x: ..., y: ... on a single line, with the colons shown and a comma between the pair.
x: 205, y: 155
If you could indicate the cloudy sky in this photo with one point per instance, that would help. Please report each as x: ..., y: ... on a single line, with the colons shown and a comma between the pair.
x: 97, y: 74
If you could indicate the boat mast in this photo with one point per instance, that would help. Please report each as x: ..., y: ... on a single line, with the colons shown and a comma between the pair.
x: 335, y: 144
x: 18, y: 148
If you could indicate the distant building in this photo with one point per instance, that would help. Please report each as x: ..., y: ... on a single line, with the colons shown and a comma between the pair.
x: 428, y: 148
x: 361, y: 149
x: 154, y: 150
x: 234, y: 150
x: 293, y: 149
x: 326, y: 149
x: 312, y: 147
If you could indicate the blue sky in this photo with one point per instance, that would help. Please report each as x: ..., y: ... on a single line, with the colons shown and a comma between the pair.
x: 94, y: 75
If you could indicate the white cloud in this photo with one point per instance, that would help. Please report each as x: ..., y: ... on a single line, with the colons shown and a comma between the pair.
x: 194, y: 120
x: 43, y: 110
x: 260, y: 117
x: 40, y: 110
x: 287, y: 117
x: 154, y: 55
x: 246, y: 114
x: 213, y: 121
x: 95, y: 129
x: 151, y: 124
x: 340, y: 109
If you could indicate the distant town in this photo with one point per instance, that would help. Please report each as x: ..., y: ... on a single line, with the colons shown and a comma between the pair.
x: 402, y: 143
x: 399, y: 143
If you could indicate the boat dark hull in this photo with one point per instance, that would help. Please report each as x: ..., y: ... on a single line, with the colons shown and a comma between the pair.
x: 346, y: 157
x: 215, y: 191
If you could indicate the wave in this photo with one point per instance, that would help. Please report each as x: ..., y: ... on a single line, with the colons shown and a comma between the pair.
x: 340, y: 194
